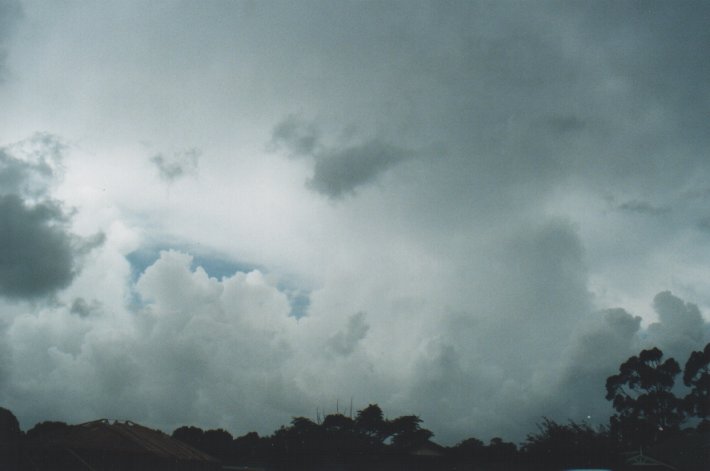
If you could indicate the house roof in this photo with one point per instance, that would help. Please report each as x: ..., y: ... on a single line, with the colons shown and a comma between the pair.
x: 124, y: 437
x: 428, y: 448
x: 646, y: 461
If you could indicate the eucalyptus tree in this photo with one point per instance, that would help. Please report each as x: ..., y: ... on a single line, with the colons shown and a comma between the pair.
x: 696, y: 376
x: 641, y: 393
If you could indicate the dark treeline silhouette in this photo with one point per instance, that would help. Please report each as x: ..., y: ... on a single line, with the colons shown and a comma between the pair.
x: 654, y: 415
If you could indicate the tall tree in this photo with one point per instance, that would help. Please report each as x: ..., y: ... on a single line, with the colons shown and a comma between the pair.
x: 642, y: 396
x: 407, y: 432
x: 217, y: 443
x: 193, y: 436
x: 499, y: 450
x: 10, y: 437
x: 370, y: 422
x: 468, y: 453
x: 337, y: 423
x: 696, y: 376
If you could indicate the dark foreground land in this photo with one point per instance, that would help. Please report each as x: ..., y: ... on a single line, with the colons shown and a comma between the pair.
x: 335, y: 444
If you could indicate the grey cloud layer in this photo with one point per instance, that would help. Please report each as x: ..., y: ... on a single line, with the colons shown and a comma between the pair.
x: 515, y: 168
x: 10, y: 13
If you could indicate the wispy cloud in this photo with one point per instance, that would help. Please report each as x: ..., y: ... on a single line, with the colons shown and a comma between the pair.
x: 178, y: 165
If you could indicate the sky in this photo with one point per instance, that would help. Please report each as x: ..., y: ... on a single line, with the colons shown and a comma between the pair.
x: 230, y: 213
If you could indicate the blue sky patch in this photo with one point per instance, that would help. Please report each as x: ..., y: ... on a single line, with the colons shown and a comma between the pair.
x: 216, y: 267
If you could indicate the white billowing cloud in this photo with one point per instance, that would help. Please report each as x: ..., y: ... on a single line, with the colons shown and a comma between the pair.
x: 200, y: 342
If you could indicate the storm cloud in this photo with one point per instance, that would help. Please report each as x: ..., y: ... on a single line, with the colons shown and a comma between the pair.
x: 473, y: 212
x: 37, y: 254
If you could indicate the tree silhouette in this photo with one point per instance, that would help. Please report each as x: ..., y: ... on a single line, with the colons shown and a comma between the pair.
x: 335, y: 423
x: 249, y: 448
x: 641, y: 395
x: 193, y: 436
x: 568, y: 446
x: 370, y: 422
x: 499, y: 450
x: 217, y: 443
x: 300, y: 445
x: 469, y: 451
x: 407, y: 433
x: 9, y: 427
x: 10, y: 441
x: 43, y: 429
x: 696, y: 376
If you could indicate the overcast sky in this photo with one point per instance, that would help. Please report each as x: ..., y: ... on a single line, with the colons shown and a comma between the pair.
x: 227, y: 214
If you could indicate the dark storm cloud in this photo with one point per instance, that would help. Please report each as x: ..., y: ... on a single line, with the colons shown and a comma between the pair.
x: 179, y: 165
x: 620, y: 87
x: 38, y: 253
x: 664, y: 55
x: 654, y: 51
